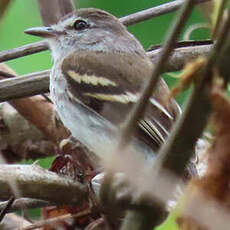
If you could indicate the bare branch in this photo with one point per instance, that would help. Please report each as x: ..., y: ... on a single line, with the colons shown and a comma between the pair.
x: 24, y: 86
x: 42, y: 114
x: 60, y: 10
x: 6, y: 208
x: 143, y: 219
x: 36, y: 182
x: 52, y: 11
x: 154, y: 12
x: 27, y: 142
x: 159, y: 68
x: 26, y: 203
x: 4, y: 4
x: 181, y: 56
x: 177, y: 151
x: 55, y: 220
x: 175, y: 154
x: 23, y: 51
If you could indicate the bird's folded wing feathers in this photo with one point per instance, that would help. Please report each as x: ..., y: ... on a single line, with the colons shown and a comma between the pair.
x: 99, y: 79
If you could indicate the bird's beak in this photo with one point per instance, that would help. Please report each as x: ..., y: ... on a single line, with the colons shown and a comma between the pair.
x: 44, y: 32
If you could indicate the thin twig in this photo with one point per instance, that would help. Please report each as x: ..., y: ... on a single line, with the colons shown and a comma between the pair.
x: 219, y: 15
x: 7, y: 207
x: 167, y: 48
x: 4, y: 74
x: 23, y: 51
x: 185, y: 44
x: 25, y: 203
x: 24, y: 86
x: 180, y: 56
x: 55, y: 220
x: 175, y: 154
x: 52, y: 11
x: 154, y: 12
x: 223, y: 62
x: 4, y: 4
x: 143, y: 219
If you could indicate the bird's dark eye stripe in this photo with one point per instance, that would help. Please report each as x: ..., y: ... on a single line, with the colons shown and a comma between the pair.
x: 80, y: 24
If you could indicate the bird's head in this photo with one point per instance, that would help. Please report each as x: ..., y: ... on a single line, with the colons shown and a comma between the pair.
x: 88, y: 29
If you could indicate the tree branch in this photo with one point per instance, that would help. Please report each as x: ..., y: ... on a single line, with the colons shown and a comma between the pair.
x: 20, y: 139
x: 42, y: 115
x: 24, y: 86
x: 4, y: 4
x: 38, y: 183
x: 23, y: 51
x: 26, y: 203
x: 145, y: 220
x: 52, y: 11
x: 56, y: 220
x: 154, y: 12
x: 175, y: 154
x: 7, y: 207
x: 181, y: 56
x: 158, y: 69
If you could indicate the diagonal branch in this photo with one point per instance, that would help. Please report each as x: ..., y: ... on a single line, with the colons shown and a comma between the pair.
x: 176, y: 153
x: 181, y: 56
x: 52, y: 11
x: 36, y: 182
x: 41, y: 115
x: 23, y: 51
x: 167, y: 48
x: 25, y: 86
x: 145, y: 220
x: 4, y: 4
x: 154, y: 12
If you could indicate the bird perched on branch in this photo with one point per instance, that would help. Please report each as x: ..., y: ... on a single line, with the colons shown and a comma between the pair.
x: 98, y: 73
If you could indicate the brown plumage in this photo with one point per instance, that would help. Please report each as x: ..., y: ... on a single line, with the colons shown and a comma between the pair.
x: 98, y: 63
x: 124, y: 79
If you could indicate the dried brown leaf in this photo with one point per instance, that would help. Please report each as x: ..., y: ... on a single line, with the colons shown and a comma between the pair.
x: 190, y: 73
x: 214, y: 185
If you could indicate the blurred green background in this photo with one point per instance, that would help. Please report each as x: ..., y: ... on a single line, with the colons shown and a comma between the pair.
x: 25, y: 14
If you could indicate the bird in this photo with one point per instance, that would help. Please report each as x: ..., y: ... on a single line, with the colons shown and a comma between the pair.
x: 99, y: 69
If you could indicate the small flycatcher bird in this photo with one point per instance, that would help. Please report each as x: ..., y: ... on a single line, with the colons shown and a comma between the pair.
x: 99, y: 67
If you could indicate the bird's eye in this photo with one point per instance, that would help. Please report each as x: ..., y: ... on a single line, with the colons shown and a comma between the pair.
x: 80, y: 25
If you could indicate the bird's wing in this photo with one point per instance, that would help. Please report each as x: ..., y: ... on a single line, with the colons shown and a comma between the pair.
x: 111, y: 84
